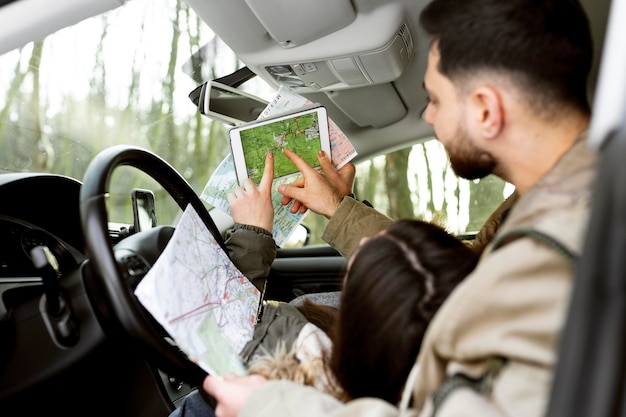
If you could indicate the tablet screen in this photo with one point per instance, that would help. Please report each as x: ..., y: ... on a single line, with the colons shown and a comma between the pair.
x: 305, y: 132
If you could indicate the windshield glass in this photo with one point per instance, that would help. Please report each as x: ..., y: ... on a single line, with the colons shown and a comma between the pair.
x: 120, y: 78
x: 125, y: 78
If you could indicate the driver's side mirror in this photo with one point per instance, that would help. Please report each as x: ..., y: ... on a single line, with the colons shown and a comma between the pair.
x: 144, y: 212
x: 299, y: 238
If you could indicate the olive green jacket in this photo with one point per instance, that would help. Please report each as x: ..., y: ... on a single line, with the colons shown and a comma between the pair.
x: 252, y: 250
x: 511, y: 306
x: 354, y: 220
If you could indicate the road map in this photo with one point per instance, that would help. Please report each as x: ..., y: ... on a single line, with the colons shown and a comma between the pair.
x: 341, y: 149
x: 224, y: 179
x: 300, y: 134
x: 201, y: 299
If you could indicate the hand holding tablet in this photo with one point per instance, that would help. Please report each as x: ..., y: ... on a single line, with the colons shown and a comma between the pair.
x: 305, y: 132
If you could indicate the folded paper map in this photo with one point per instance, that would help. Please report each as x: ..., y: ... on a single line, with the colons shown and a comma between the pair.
x: 201, y: 299
x: 224, y: 179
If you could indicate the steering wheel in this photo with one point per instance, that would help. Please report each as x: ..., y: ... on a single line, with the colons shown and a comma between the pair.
x: 110, y: 273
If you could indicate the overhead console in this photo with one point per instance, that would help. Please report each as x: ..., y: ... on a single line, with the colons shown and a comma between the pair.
x: 369, y: 67
x: 326, y: 45
x: 358, y: 47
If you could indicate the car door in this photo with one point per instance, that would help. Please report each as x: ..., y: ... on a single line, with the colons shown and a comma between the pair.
x: 591, y: 368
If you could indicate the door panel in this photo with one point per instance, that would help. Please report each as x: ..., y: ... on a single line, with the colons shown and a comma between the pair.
x: 305, y: 270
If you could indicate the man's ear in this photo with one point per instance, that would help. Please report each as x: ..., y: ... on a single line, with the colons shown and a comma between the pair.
x: 487, y: 111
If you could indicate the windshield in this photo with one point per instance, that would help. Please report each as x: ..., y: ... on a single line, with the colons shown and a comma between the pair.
x: 120, y: 78
x: 125, y: 78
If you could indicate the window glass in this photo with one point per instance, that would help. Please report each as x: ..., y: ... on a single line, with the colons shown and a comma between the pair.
x: 418, y: 182
x: 120, y: 78
x: 124, y: 78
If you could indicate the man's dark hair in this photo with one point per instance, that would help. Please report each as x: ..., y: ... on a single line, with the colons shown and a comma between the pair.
x: 545, y: 46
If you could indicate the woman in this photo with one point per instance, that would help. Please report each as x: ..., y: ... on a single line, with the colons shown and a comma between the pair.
x: 395, y: 283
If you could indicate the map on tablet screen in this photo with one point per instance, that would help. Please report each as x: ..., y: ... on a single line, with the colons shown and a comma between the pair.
x: 305, y: 132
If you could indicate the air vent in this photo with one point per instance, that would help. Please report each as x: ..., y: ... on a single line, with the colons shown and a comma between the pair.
x: 405, y: 34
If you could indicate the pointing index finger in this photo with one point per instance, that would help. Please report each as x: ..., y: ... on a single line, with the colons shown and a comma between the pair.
x: 268, y: 172
x: 300, y: 163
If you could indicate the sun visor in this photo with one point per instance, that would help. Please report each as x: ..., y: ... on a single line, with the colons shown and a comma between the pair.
x: 362, y: 105
x: 296, y: 22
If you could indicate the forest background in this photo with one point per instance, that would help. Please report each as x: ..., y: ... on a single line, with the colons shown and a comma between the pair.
x: 125, y: 78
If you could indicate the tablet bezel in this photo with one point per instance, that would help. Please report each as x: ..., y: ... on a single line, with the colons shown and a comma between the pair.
x: 241, y: 166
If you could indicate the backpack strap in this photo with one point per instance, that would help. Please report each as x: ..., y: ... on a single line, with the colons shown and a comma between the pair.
x: 484, y: 384
x: 541, y: 237
x: 481, y: 385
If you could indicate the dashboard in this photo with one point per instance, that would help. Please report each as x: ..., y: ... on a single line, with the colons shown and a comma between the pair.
x: 47, y: 201
x: 36, y: 210
x: 17, y: 240
x: 44, y: 351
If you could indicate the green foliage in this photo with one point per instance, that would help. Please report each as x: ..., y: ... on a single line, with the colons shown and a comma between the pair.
x: 55, y: 119
x: 45, y: 127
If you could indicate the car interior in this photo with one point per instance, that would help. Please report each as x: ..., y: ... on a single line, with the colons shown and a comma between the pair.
x: 75, y: 340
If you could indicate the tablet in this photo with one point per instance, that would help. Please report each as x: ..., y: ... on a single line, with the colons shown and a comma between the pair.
x: 305, y: 132
x: 229, y: 105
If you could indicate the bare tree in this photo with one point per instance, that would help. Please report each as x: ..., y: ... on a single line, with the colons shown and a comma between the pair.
x: 484, y: 197
x: 397, y: 183
x: 11, y: 149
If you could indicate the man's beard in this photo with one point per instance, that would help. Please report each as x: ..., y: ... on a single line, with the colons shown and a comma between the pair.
x: 467, y: 160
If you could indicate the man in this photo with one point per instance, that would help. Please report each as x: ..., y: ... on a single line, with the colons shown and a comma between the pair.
x: 507, y: 95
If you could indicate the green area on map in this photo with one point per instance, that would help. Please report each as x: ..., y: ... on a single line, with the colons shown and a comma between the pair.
x: 299, y: 134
